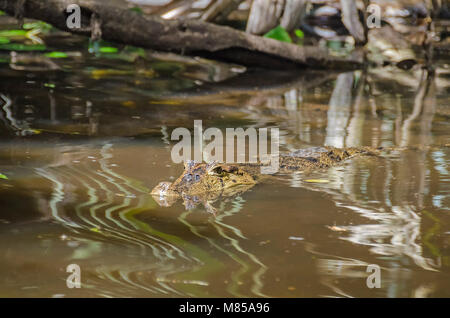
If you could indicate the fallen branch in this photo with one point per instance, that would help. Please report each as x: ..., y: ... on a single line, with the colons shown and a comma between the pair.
x: 191, y: 37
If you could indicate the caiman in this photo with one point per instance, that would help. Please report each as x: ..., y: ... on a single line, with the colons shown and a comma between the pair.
x: 207, y: 182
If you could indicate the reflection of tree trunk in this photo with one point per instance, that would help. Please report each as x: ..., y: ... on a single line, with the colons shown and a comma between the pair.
x: 429, y: 109
x: 398, y: 121
x: 339, y: 110
x: 356, y: 125
x: 420, y: 100
x: 52, y: 107
x: 413, y: 167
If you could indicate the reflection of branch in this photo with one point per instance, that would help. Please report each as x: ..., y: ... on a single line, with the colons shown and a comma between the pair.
x: 16, y: 125
x: 257, y: 83
x: 245, y: 266
x: 32, y: 63
x: 422, y: 93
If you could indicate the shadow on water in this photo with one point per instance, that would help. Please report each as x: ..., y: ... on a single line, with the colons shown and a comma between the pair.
x: 84, y: 141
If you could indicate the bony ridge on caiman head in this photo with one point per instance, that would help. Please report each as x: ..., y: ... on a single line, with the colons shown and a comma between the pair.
x: 205, y: 183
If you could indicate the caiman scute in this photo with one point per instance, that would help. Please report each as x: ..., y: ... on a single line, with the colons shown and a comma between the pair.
x: 206, y: 182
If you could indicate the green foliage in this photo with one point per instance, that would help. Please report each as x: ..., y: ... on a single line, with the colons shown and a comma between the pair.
x: 108, y: 49
x: 137, y: 10
x: 13, y: 33
x: 2, y: 176
x: 44, y: 27
x: 299, y: 33
x: 56, y: 55
x: 2, y: 13
x: 26, y: 39
x: 279, y: 33
x: 102, y: 47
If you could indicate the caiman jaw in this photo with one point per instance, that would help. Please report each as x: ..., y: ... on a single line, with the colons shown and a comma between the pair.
x: 163, y: 195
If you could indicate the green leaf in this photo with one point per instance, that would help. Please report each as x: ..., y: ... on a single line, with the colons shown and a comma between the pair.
x: 101, y: 47
x: 108, y: 49
x: 56, y: 55
x: 4, y: 40
x: 13, y: 33
x: 279, y: 33
x: 50, y: 85
x: 137, y: 10
x: 37, y: 25
x: 299, y: 33
x: 2, y: 13
x: 30, y: 26
x: 2, y: 176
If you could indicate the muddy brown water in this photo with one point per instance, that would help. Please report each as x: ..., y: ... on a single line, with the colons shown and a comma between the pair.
x: 81, y: 147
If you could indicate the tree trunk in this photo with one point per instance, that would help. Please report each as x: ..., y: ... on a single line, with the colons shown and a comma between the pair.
x: 267, y: 14
x: 350, y: 18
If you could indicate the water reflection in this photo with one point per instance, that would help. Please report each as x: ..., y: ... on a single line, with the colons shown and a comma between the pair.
x: 91, y: 200
x: 395, y: 211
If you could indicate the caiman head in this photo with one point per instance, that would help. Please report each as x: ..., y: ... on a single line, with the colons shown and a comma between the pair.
x: 203, y: 182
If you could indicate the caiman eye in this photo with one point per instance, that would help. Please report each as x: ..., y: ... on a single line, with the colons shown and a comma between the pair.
x: 217, y: 171
x: 188, y: 177
x: 197, y: 177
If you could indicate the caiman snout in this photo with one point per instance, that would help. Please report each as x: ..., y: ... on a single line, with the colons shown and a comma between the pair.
x: 163, y: 195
